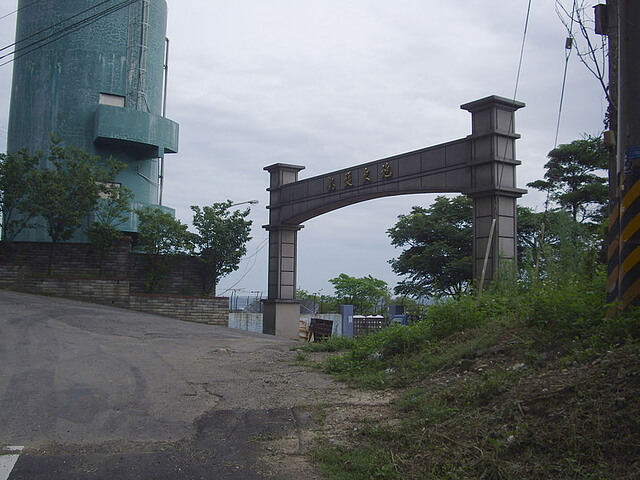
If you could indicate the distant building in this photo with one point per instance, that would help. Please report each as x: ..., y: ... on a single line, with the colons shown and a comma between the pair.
x: 93, y: 73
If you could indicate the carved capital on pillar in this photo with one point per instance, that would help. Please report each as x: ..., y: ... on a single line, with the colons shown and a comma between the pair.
x: 283, y: 173
x: 493, y: 114
x: 280, y: 174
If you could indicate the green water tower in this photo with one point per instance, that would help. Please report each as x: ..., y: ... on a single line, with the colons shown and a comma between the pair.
x: 93, y: 72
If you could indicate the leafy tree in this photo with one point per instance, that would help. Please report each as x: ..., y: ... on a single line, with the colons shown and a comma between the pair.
x: 161, y: 237
x: 325, y: 303
x: 574, y: 180
x: 69, y: 189
x: 538, y: 233
x: 114, y: 205
x: 220, y: 240
x: 572, y: 235
x: 438, y: 248
x: 553, y: 245
x: 529, y: 224
x: 111, y: 211
x: 17, y: 191
x: 363, y: 293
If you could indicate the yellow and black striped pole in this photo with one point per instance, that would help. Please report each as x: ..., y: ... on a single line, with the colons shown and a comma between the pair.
x: 629, y: 269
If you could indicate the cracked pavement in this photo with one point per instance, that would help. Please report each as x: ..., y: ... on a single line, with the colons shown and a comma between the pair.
x: 98, y: 392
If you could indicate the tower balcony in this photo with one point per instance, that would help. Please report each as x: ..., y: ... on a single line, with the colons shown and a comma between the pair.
x: 151, y: 134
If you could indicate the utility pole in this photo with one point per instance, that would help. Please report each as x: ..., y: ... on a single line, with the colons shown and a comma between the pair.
x: 624, y: 17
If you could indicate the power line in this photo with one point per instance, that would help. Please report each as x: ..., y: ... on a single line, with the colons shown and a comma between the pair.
x: 18, y: 9
x: 64, y: 31
x: 562, y: 90
x: 262, y: 244
x: 522, y: 45
x: 37, y: 44
x: 495, y: 213
x: 517, y: 84
x: 568, y: 50
x: 51, y: 26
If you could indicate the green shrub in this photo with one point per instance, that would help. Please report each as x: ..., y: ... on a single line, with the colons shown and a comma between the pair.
x: 566, y: 309
x: 381, y: 351
x: 452, y: 316
x: 332, y: 344
x: 622, y: 327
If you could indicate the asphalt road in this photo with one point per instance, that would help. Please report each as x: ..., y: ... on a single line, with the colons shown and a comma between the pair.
x: 94, y: 392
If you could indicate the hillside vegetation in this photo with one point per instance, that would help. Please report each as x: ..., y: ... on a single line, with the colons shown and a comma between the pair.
x: 521, y: 383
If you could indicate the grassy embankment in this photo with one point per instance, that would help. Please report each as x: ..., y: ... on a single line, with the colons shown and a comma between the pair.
x: 519, y: 384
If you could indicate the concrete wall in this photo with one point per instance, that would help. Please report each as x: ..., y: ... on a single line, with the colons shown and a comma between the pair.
x: 253, y: 321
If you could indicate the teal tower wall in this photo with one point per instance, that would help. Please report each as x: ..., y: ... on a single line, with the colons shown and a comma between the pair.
x: 94, y: 76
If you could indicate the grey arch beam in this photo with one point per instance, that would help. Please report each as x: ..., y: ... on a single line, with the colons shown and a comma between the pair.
x: 481, y: 165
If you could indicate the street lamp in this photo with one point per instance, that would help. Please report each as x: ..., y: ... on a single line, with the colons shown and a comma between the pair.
x: 252, y: 202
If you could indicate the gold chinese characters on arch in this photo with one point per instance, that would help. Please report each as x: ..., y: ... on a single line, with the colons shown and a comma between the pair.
x: 386, y: 172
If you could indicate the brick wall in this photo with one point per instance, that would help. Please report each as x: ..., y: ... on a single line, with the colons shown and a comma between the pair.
x: 105, y: 291
x: 70, y: 259
x: 119, y: 278
x: 183, y: 278
x: 11, y: 274
x: 212, y: 310
x: 83, y: 260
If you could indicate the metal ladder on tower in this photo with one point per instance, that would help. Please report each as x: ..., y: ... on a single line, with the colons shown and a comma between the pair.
x: 137, y: 54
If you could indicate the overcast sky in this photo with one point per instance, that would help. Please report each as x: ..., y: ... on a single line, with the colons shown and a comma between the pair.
x: 333, y: 83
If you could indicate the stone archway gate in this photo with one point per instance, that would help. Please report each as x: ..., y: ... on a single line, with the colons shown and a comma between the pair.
x: 482, y: 166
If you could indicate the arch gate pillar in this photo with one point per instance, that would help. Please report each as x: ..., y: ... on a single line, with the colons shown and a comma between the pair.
x: 481, y: 165
x: 281, y: 301
x: 493, y: 189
